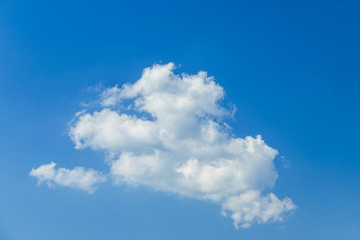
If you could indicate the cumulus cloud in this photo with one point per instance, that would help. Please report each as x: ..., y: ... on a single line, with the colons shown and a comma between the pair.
x: 78, y: 177
x: 251, y: 206
x: 167, y: 132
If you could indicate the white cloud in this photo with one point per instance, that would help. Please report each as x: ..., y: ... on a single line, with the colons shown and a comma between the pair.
x: 252, y: 207
x: 78, y: 177
x: 166, y: 132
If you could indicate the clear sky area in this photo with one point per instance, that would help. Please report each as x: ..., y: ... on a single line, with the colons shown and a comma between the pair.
x: 179, y: 120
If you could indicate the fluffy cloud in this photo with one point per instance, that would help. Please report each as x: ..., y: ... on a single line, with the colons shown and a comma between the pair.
x: 78, y: 177
x: 251, y: 206
x: 167, y: 132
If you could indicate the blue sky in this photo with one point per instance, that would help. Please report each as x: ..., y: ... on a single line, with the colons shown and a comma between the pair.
x: 291, y: 69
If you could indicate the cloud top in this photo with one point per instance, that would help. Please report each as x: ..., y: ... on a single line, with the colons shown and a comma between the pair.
x: 166, y: 132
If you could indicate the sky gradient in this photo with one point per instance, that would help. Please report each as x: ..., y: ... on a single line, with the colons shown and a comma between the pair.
x: 291, y: 70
